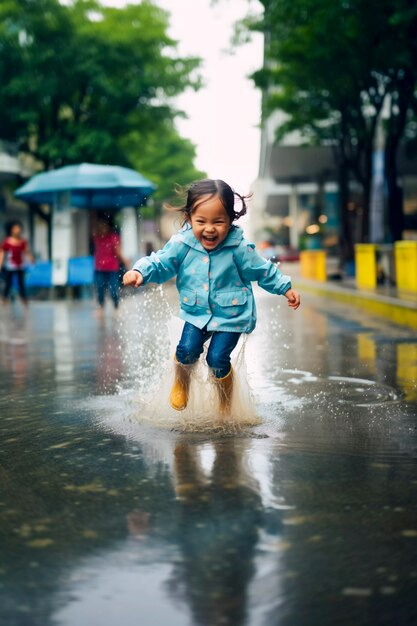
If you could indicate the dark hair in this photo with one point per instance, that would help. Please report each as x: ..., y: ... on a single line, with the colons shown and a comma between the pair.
x: 11, y: 225
x: 210, y: 187
x: 107, y: 218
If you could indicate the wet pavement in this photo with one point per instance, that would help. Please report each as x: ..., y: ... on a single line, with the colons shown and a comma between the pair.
x: 308, y: 518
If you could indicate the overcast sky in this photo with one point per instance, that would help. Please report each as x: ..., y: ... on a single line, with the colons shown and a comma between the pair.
x: 223, y: 118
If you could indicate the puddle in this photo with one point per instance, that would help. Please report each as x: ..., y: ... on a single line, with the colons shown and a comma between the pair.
x: 327, y: 390
x: 256, y: 414
x: 123, y: 516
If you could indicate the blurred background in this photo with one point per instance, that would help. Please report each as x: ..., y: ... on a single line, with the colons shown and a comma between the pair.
x: 309, y: 104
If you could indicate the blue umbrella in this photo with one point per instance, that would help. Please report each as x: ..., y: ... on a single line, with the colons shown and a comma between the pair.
x: 90, y: 186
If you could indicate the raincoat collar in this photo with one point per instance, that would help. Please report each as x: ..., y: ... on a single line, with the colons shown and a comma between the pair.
x: 234, y: 238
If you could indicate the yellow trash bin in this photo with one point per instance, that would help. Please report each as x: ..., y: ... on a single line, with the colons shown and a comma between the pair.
x: 313, y: 264
x: 406, y: 265
x: 365, y: 264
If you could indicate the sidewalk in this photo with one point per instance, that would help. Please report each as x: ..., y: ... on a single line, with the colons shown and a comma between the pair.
x: 400, y: 307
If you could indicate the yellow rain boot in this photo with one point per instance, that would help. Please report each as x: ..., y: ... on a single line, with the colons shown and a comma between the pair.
x: 225, y: 387
x: 179, y: 392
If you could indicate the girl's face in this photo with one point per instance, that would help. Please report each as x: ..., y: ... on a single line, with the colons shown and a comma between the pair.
x: 210, y: 222
x: 103, y: 228
x: 16, y: 231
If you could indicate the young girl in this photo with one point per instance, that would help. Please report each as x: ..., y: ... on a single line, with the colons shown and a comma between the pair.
x: 107, y: 259
x: 12, y: 257
x: 215, y: 267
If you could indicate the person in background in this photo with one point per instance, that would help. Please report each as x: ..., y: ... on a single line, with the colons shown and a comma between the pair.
x: 107, y: 260
x: 13, y: 251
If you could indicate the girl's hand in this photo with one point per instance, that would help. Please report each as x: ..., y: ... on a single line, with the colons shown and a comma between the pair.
x: 132, y: 279
x: 293, y: 298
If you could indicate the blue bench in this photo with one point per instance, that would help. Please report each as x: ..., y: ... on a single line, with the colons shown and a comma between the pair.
x: 81, y: 271
x: 39, y: 275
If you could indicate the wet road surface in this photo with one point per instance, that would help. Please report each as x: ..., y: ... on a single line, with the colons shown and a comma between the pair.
x: 308, y: 518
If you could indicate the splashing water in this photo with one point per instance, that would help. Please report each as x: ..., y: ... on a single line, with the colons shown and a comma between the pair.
x: 203, y: 409
x: 149, y: 347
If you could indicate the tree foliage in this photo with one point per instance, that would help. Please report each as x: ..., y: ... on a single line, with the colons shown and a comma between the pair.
x: 80, y: 81
x: 167, y: 159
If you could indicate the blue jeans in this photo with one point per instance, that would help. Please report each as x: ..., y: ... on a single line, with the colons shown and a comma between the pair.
x: 110, y: 281
x: 218, y: 356
x: 8, y: 282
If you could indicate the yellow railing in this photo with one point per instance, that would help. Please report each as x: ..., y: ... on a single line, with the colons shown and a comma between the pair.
x: 313, y: 265
x: 406, y: 265
x: 366, y: 265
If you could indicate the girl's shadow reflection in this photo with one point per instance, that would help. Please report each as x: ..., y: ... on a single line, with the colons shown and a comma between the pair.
x: 220, y: 514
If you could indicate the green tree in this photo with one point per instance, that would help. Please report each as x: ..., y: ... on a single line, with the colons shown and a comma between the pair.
x: 168, y: 159
x: 79, y: 79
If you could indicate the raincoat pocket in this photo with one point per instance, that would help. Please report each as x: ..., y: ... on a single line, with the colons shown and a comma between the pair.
x: 231, y: 303
x: 188, y: 299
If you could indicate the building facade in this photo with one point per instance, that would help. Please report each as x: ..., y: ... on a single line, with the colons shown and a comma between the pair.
x: 296, y: 199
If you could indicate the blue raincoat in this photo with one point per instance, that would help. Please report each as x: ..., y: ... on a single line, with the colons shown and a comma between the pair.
x: 214, y: 287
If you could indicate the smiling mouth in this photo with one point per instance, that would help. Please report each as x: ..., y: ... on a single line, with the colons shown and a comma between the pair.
x: 210, y: 239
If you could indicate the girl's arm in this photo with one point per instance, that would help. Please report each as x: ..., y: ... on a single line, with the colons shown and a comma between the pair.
x: 253, y: 267
x: 3, y: 249
x: 119, y: 255
x: 29, y: 254
x: 159, y: 266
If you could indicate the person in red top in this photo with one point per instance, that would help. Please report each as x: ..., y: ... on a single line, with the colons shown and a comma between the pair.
x: 107, y: 259
x: 13, y: 251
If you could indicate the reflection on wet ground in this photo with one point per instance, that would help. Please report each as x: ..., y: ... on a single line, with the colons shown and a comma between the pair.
x: 307, y: 518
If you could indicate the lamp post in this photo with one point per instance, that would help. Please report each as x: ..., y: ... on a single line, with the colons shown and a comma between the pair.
x: 378, y: 204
